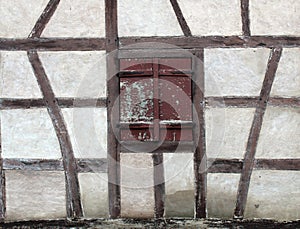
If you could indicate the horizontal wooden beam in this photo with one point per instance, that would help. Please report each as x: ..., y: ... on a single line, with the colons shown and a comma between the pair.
x: 214, y: 41
x: 62, y: 102
x: 93, y: 44
x: 94, y: 165
x: 53, y: 44
x: 250, y: 102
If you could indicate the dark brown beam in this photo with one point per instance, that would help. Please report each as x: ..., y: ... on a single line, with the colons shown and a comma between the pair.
x: 200, y: 159
x: 53, y: 44
x: 159, y: 185
x: 111, y: 23
x: 92, y: 165
x: 32, y: 164
x: 181, y: 20
x: 44, y: 18
x: 245, y: 17
x: 2, y: 182
x: 216, y: 41
x: 254, y: 133
x: 218, y: 165
x: 277, y: 164
x: 74, y: 208
x: 250, y: 102
x: 62, y: 102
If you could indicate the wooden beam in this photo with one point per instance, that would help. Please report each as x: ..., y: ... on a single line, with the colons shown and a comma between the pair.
x: 245, y: 17
x: 114, y: 193
x: 44, y: 19
x: 254, y: 133
x: 52, y: 44
x: 2, y: 182
x: 74, y: 208
x: 92, y: 165
x: 200, y: 160
x: 6, y: 104
x: 159, y: 185
x: 181, y: 20
x: 195, y: 42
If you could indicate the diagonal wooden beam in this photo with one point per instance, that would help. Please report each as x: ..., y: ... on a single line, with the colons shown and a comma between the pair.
x: 74, y: 208
x: 249, y: 157
x: 113, y: 151
x: 182, y: 22
x: 200, y: 160
x: 245, y: 17
x: 44, y: 19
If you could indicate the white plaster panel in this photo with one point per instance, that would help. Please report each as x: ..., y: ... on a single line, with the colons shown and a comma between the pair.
x: 280, y: 133
x: 179, y: 184
x: 287, y: 79
x: 221, y: 194
x: 76, y: 74
x: 76, y: 18
x: 87, y: 128
x: 274, y: 195
x: 94, y: 194
x: 35, y: 195
x: 17, y: 77
x: 28, y: 134
x: 227, y: 131
x: 137, y: 191
x: 147, y: 18
x: 235, y: 72
x: 275, y: 17
x: 19, y: 17
x: 213, y: 17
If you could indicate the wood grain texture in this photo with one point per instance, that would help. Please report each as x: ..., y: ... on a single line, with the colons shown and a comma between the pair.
x: 181, y: 20
x: 159, y: 185
x: 44, y: 19
x: 200, y: 160
x: 2, y: 182
x: 245, y: 17
x: 111, y: 21
x: 249, y: 157
x: 74, y: 208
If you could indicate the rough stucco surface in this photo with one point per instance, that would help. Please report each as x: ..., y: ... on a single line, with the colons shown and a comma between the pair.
x: 94, y: 194
x: 227, y: 131
x: 274, y: 195
x: 76, y: 74
x: 76, y: 18
x: 35, y: 195
x: 87, y: 128
x: 179, y: 184
x: 234, y: 72
x: 137, y: 190
x: 287, y: 80
x: 275, y: 17
x: 17, y: 77
x: 221, y: 194
x: 28, y: 134
x: 213, y: 17
x: 281, y: 131
x: 19, y: 17
x: 147, y: 18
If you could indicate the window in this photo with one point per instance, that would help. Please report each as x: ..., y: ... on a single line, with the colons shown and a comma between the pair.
x: 156, y: 99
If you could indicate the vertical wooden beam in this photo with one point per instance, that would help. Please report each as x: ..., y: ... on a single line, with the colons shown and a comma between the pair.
x: 181, y: 20
x: 249, y: 157
x: 44, y: 19
x: 200, y: 159
x: 2, y: 182
x: 74, y: 208
x: 159, y: 185
x: 245, y: 17
x: 111, y: 27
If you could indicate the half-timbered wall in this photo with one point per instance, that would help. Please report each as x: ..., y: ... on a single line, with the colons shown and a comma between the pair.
x: 60, y: 154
